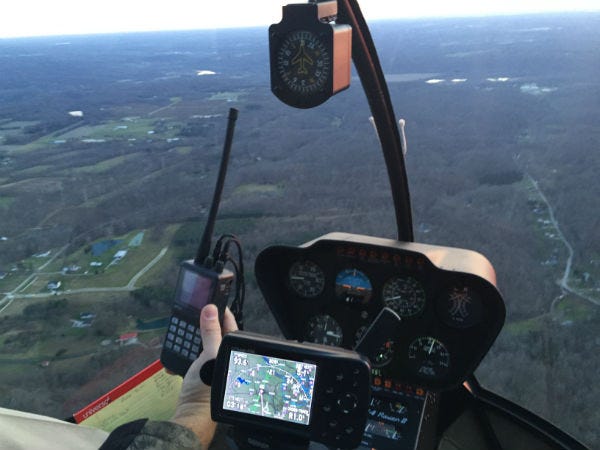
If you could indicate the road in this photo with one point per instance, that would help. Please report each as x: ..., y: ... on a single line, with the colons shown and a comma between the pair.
x: 564, y: 282
x: 13, y: 295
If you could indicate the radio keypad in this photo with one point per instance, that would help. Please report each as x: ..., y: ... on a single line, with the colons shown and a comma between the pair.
x: 183, y: 338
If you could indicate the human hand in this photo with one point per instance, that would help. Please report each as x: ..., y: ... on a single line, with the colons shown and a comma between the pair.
x: 193, y: 406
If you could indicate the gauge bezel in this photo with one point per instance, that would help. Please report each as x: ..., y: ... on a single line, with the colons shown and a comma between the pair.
x: 353, y: 295
x: 476, y: 313
x: 333, y: 321
x: 408, y: 311
x: 412, y: 356
x: 294, y: 286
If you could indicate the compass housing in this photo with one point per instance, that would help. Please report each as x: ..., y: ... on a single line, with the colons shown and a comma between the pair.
x: 310, y: 56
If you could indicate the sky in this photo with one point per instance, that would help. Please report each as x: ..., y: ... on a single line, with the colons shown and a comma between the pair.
x: 65, y: 17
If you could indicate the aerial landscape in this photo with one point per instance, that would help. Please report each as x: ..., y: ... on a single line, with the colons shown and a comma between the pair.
x: 110, y: 145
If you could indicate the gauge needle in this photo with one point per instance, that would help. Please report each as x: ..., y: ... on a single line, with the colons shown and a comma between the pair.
x: 331, y: 333
x: 297, y: 278
x: 431, y: 347
x: 397, y: 297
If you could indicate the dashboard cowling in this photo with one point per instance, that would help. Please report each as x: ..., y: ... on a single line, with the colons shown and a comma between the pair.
x: 449, y: 306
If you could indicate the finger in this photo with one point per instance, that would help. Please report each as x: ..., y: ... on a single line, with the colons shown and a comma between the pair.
x: 229, y: 323
x: 210, y: 330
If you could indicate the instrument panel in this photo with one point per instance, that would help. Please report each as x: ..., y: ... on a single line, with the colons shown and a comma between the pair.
x: 330, y: 291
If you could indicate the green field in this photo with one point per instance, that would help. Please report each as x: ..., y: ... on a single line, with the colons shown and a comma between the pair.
x: 233, y: 96
x: 5, y: 202
x: 104, y: 166
x: 258, y: 189
x: 111, y: 272
x: 574, y: 309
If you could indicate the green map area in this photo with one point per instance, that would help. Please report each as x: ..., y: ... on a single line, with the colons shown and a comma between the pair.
x: 270, y: 387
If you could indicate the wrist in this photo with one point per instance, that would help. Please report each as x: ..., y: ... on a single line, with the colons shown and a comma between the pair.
x: 191, y: 416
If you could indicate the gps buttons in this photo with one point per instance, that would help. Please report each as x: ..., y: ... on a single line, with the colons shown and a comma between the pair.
x: 347, y: 402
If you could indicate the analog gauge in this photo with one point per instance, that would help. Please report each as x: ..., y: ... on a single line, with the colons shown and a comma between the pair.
x: 306, y: 279
x: 405, y: 295
x: 303, y: 63
x: 324, y: 329
x: 460, y: 307
x: 384, y: 354
x: 428, y: 357
x: 353, y: 287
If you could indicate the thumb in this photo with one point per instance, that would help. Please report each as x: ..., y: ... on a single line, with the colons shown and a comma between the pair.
x: 210, y: 330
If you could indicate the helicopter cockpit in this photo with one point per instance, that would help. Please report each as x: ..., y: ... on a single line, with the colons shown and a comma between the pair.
x: 421, y: 317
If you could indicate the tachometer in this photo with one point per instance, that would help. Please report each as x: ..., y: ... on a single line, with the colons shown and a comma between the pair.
x: 353, y: 287
x: 428, y: 357
x: 306, y: 279
x: 324, y: 329
x: 405, y: 295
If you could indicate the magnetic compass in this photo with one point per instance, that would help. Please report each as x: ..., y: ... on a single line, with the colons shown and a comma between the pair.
x: 310, y: 55
x: 303, y: 63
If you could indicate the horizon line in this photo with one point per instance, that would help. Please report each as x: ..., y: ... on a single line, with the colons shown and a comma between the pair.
x: 372, y: 21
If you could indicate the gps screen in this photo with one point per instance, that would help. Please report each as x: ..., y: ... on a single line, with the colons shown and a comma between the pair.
x: 269, y: 387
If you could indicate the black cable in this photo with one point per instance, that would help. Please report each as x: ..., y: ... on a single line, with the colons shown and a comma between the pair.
x: 222, y: 257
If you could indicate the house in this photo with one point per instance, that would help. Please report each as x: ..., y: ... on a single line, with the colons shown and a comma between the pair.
x: 128, y: 338
x: 3, y: 275
x: 53, y: 285
x: 120, y: 254
x: 71, y: 269
x: 85, y: 320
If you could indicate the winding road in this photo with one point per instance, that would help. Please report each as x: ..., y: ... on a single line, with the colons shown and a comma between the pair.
x: 564, y: 282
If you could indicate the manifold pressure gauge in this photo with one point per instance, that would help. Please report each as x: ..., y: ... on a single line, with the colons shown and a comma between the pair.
x: 310, y: 56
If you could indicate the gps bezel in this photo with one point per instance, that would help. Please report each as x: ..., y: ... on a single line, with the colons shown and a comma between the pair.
x: 331, y: 362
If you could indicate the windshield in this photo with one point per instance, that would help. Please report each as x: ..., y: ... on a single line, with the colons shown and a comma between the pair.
x: 110, y: 145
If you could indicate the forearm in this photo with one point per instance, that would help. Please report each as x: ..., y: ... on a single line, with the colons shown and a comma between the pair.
x: 147, y: 434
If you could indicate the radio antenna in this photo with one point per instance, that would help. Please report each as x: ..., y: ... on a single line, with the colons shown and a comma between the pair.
x: 206, y: 242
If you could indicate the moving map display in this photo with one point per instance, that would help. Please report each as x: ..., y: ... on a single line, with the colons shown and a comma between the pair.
x: 269, y: 387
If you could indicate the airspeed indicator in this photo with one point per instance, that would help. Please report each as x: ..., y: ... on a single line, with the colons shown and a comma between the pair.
x: 306, y: 279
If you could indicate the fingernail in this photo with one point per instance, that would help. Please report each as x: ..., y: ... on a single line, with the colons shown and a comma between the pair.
x: 209, y: 312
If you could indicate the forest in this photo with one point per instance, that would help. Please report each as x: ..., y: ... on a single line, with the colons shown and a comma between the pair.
x: 514, y: 107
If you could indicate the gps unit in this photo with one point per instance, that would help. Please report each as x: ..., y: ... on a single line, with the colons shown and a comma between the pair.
x: 269, y: 386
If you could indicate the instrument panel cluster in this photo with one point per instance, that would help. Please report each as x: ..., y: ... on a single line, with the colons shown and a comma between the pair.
x: 447, y: 309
